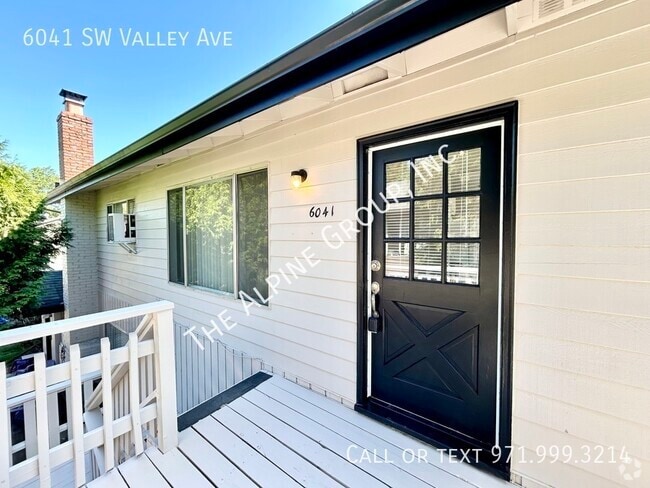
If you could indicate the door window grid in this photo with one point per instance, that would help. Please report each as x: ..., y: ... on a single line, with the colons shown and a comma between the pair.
x: 441, y: 242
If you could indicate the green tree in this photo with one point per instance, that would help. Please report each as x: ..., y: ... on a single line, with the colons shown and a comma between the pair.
x: 24, y: 255
x: 21, y: 190
x: 27, y: 241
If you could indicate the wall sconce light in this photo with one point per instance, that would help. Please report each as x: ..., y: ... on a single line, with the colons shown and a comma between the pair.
x: 298, y: 177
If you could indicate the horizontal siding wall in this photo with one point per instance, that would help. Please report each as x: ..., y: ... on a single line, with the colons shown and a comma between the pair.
x: 582, y: 317
x: 308, y: 330
x: 582, y: 314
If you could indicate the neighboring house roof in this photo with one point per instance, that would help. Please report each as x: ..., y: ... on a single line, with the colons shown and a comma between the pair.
x: 51, y: 299
x: 379, y: 30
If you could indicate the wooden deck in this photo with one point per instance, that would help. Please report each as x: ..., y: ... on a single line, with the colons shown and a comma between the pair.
x: 280, y: 434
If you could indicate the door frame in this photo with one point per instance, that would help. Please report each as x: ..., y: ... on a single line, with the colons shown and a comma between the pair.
x: 507, y: 112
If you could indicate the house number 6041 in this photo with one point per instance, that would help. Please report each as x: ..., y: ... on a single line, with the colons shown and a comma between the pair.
x: 320, y: 212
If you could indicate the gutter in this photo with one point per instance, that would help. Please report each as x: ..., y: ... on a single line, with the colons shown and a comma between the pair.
x: 377, y: 31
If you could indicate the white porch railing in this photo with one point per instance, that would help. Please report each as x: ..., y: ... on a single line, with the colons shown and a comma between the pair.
x: 206, y: 367
x: 135, y: 400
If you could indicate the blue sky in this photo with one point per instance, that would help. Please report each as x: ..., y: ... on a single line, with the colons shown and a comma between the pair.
x: 134, y: 89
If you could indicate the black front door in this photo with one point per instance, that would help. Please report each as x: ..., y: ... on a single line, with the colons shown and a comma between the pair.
x: 435, y: 239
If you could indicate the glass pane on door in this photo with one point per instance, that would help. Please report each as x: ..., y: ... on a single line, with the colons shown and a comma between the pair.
x: 462, y: 262
x: 398, y: 179
x: 428, y: 219
x: 428, y: 261
x: 398, y: 223
x: 428, y: 175
x: 464, y: 170
x: 397, y: 260
x: 464, y: 216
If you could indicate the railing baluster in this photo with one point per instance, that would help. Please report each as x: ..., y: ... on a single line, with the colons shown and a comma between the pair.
x: 125, y: 441
x: 31, y: 436
x: 219, y: 368
x: 165, y: 380
x: 241, y: 367
x: 75, y: 419
x: 150, y: 376
x: 151, y: 390
x: 134, y: 392
x: 177, y: 341
x: 40, y: 387
x: 107, y: 405
x: 187, y: 387
x: 68, y: 411
x: 87, y: 390
x: 5, y: 432
x: 200, y: 393
x: 53, y: 419
x: 142, y: 379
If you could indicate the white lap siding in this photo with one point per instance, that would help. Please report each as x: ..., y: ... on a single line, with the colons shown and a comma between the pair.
x: 582, y: 314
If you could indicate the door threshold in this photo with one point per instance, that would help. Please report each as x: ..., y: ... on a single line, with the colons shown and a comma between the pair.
x: 383, y: 413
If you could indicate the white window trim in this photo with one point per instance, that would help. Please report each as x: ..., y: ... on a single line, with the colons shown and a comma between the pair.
x: 122, y: 201
x: 125, y: 203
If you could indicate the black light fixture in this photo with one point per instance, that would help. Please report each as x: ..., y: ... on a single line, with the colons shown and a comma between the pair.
x: 298, y: 177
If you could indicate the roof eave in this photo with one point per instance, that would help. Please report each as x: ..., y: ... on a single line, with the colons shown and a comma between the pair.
x: 377, y: 31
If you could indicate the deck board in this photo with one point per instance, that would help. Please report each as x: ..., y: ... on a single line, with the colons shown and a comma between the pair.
x: 177, y: 469
x: 280, y: 434
x: 373, y: 444
x: 140, y: 471
x: 257, y: 467
x: 301, y: 470
x: 335, y: 465
x: 336, y: 442
x: 212, y: 464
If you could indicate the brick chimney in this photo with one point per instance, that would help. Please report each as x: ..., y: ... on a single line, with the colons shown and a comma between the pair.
x: 75, y: 136
x: 80, y: 284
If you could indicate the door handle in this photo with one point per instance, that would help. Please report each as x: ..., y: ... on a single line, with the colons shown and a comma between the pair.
x: 373, y: 320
